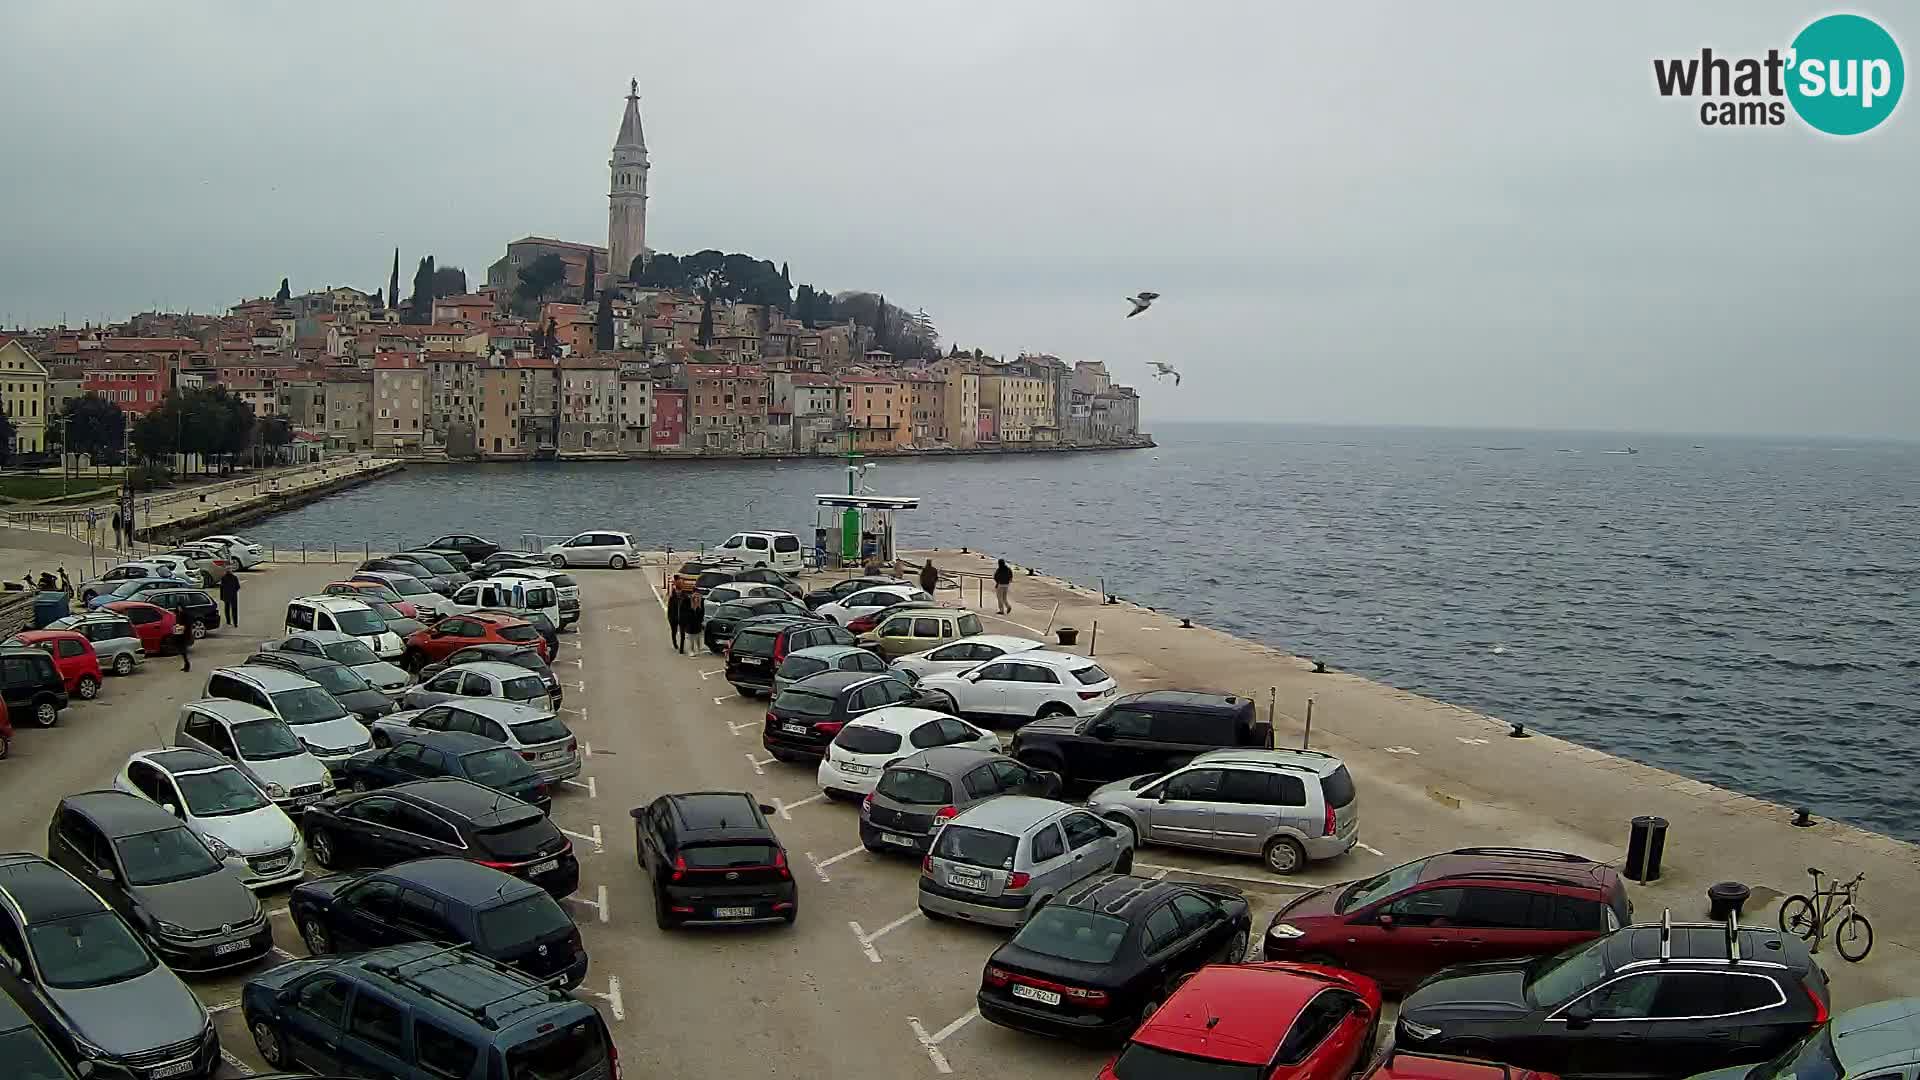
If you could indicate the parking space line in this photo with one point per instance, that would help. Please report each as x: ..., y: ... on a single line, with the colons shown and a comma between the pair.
x: 586, y: 748
x: 225, y: 1006
x: 615, y: 1004
x: 866, y: 946
x: 711, y: 674
x: 931, y: 1043
x: 786, y: 808
x: 593, y: 838
x: 724, y: 700
x: 599, y: 906
x: 239, y: 1066
x: 576, y: 662
x: 1268, y: 882
x: 743, y: 725
x: 1163, y: 872
x: 1371, y: 850
x: 820, y: 865
x: 755, y: 762
x: 591, y: 787
x: 581, y: 686
x: 284, y: 954
x: 279, y: 912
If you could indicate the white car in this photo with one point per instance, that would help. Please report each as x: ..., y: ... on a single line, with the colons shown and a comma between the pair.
x: 562, y: 582
x: 389, y: 679
x: 739, y: 590
x: 963, y: 654
x: 865, y: 747
x: 242, y: 552
x: 868, y: 600
x: 1028, y: 685
x: 219, y: 804
x: 347, y: 614
x: 613, y: 549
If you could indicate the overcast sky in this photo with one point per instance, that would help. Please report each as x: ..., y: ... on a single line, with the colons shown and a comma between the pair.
x: 1414, y: 213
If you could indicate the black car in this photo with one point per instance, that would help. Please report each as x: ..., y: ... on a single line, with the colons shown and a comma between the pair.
x: 25, y: 1049
x: 161, y: 878
x: 432, y: 754
x: 438, y: 564
x: 758, y: 646
x: 714, y: 859
x: 1099, y: 957
x: 446, y: 900
x: 31, y: 686
x: 447, y: 816
x: 454, y: 559
x: 720, y: 620
x: 400, y: 564
x: 343, y: 684
x: 767, y: 575
x: 840, y: 590
x: 473, y: 547
x: 1139, y: 734
x: 510, y: 560
x: 196, y: 610
x: 1648, y: 1001
x: 807, y: 715
x: 525, y: 656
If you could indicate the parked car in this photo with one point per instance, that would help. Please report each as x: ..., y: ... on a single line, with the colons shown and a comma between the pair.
x: 510, y: 560
x: 6, y: 733
x: 967, y: 652
x: 481, y: 679
x: 807, y: 715
x: 721, y: 619
x: 775, y: 550
x: 182, y: 567
x: 25, y: 1047
x: 737, y: 589
x: 475, y: 1016
x: 161, y: 878
x: 867, y: 745
x: 443, y: 638
x: 871, y: 599
x: 413, y: 568
x: 1398, y: 1064
x: 389, y: 679
x: 612, y: 549
x: 452, y: 901
x: 426, y: 755
x: 1459, y: 906
x: 915, y: 630
x: 1644, y: 1001
x: 373, y: 590
x: 767, y: 575
x: 1879, y: 1041
x: 548, y: 630
x: 1288, y: 807
x: 398, y: 622
x: 819, y: 658
x: 240, y: 825
x: 523, y: 656
x: 244, y: 553
x: 193, y: 607
x: 258, y: 743
x: 99, y: 994
x: 151, y: 623
x: 204, y: 564
x: 1257, y: 1020
x: 73, y: 658
x: 454, y: 558
x: 446, y: 816
x: 439, y: 565
x: 1101, y: 957
x: 690, y: 573
x: 1140, y: 734
x: 866, y: 621
x: 137, y: 590
x: 537, y: 735
x: 138, y: 570
x: 346, y: 686
x: 506, y: 594
x: 563, y: 583
x: 347, y: 615
x: 712, y: 857
x: 324, y: 727
x: 1000, y: 860
x: 846, y: 587
x: 115, y: 642
x: 426, y: 603
x: 917, y: 794
x: 31, y: 687
x: 760, y: 646
x: 473, y: 547
x: 1034, y: 685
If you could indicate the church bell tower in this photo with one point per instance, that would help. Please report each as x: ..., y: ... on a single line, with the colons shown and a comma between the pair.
x: 627, y: 193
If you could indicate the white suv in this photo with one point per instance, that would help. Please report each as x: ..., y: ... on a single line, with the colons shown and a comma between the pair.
x: 1025, y: 686
x: 593, y: 549
x: 868, y: 744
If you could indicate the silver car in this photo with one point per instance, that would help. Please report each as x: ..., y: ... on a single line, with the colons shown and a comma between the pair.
x: 342, y: 647
x: 997, y: 862
x: 1286, y: 807
x: 259, y: 744
x: 481, y: 679
x: 614, y: 549
x: 916, y: 795
x: 114, y: 639
x: 818, y: 658
x: 540, y: 737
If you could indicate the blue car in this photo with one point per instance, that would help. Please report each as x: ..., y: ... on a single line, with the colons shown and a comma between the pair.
x: 135, y: 589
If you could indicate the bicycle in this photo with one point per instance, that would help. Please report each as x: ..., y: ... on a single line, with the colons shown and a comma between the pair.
x: 1809, y: 917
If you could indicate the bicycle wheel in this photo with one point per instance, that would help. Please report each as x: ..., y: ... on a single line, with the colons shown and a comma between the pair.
x: 1854, y: 937
x: 1796, y: 917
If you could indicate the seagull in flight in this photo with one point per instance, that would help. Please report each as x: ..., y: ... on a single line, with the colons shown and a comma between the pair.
x: 1141, y: 303
x: 1163, y: 370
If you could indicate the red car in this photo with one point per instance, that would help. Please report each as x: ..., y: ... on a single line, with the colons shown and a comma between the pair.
x: 456, y: 632
x: 6, y: 732
x: 375, y: 589
x: 152, y: 623
x: 1457, y: 907
x: 1258, y: 1021
x: 73, y: 657
x: 1399, y: 1065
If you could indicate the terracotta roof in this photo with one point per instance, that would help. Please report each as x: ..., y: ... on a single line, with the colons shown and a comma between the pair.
x: 394, y: 361
x: 565, y: 244
x: 808, y: 378
x: 724, y: 371
x: 577, y: 363
x: 145, y: 344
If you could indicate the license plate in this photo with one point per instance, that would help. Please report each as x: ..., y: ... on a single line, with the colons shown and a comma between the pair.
x: 794, y: 729
x: 732, y: 912
x: 751, y: 661
x: 232, y: 947
x: 1032, y: 993
x: 178, y: 1068
x: 896, y: 838
x: 273, y: 867
x: 852, y: 769
x: 544, y: 868
x: 551, y: 754
x: 967, y: 881
x: 305, y: 801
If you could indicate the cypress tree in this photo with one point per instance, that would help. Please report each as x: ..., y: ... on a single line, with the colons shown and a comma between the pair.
x: 603, y: 323
x: 586, y: 286
x: 393, y: 282
x: 285, y: 293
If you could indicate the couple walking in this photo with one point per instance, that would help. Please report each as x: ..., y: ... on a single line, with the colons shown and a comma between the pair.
x: 685, y: 617
x: 1002, y: 583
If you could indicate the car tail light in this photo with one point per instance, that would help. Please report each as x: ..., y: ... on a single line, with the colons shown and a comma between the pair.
x: 996, y: 976
x: 571, y: 744
x: 780, y: 864
x: 497, y: 865
x: 831, y: 727
x: 1089, y: 695
x: 926, y: 863
x: 944, y: 813
x: 679, y: 867
x: 1092, y: 999
x: 526, y: 755
x: 1819, y: 1007
x: 867, y: 803
x: 1329, y: 824
x: 1019, y: 879
x: 779, y: 648
x: 613, y: 1060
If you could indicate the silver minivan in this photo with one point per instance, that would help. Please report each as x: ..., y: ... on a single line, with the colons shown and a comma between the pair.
x: 996, y: 862
x: 1286, y: 807
x: 328, y: 731
x: 259, y: 744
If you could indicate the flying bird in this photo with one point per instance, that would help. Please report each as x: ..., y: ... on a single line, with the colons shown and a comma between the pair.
x: 1161, y: 370
x: 1141, y: 303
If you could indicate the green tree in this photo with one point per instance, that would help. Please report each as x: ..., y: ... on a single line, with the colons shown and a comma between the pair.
x: 95, y: 427
x: 284, y: 294
x: 449, y: 281
x: 713, y: 284
x: 156, y: 435
x: 393, y: 282
x: 420, y: 304
x: 539, y: 278
x: 7, y: 435
x: 274, y: 434
x: 603, y: 323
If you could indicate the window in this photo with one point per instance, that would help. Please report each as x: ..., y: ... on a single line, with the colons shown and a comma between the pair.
x: 1010, y: 776
x: 1163, y: 928
x: 324, y: 998
x: 1428, y: 907
x: 926, y: 628
x: 1195, y: 785
x: 377, y: 1022
x: 1081, y: 830
x: 980, y: 783
x: 1128, y: 723
x: 426, y: 916
x: 442, y: 1053
x: 1503, y: 909
x: 954, y: 731
x: 1195, y: 913
x: 1630, y: 998
x: 1319, y: 1019
x: 1047, y: 844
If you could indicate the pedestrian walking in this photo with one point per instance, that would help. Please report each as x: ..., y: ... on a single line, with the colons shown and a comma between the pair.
x: 692, y: 618
x: 1002, y: 582
x: 183, y: 640
x: 66, y: 583
x: 47, y: 584
x: 676, y: 605
x: 230, y: 596
x: 929, y: 578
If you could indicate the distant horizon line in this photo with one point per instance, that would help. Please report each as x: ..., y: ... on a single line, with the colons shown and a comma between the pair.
x: 1147, y: 428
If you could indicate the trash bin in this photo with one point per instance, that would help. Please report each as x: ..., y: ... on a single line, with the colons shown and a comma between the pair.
x: 1646, y: 842
x: 1726, y: 898
x: 1068, y: 635
x: 48, y: 606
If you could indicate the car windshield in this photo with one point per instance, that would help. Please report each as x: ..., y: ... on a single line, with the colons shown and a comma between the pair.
x: 524, y: 688
x: 496, y: 768
x: 520, y: 838
x: 338, y: 680
x: 728, y: 612
x: 1090, y: 675
x: 525, y: 658
x: 915, y: 786
x: 358, y: 621
x: 1366, y: 892
x: 387, y: 612
x: 350, y: 652
x: 219, y: 792
x: 561, y: 1055
x: 545, y: 729
x: 753, y: 643
x: 1073, y: 934
x: 1338, y: 786
x: 433, y: 562
x: 804, y: 703
x: 861, y: 739
x: 264, y: 740
x: 522, y: 632
x: 88, y: 950
x: 1811, y: 1058
x: 410, y: 586
x: 31, y: 1056
x: 1142, y: 1062
x: 167, y: 855
x: 306, y: 705
x: 976, y: 847
x: 522, y: 922
x: 1552, y: 980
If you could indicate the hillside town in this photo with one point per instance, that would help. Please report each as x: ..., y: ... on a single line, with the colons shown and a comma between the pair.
x: 578, y: 351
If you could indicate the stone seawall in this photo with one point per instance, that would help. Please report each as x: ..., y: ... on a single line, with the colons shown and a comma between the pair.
x: 1144, y: 443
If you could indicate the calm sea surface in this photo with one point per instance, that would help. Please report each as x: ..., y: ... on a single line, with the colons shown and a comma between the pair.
x: 1743, y: 611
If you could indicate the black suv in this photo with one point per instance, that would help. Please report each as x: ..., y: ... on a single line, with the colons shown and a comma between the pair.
x: 807, y: 715
x: 525, y: 656
x: 441, y: 817
x: 1648, y: 1001
x: 721, y: 620
x: 760, y: 644
x: 1138, y: 734
x: 423, y: 1011
x: 31, y: 686
x: 193, y: 607
x: 448, y: 900
x: 714, y: 859
x: 28, y: 1053
x: 428, y: 755
x: 343, y: 684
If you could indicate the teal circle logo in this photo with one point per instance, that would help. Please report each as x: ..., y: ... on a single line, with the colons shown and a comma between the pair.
x: 1846, y: 74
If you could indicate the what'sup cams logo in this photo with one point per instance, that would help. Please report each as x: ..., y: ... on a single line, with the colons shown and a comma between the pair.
x: 1842, y: 75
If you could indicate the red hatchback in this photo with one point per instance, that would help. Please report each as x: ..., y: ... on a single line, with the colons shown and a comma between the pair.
x: 1457, y: 907
x: 73, y: 657
x: 1256, y: 1022
x: 152, y: 623
x: 456, y: 632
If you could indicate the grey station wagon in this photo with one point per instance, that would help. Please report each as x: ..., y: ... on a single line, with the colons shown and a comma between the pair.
x: 916, y: 795
x: 1001, y: 860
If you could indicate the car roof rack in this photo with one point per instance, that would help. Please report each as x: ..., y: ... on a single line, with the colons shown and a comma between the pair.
x: 397, y: 972
x: 1522, y: 853
x: 1733, y: 938
x: 1666, y: 933
x: 1514, y: 875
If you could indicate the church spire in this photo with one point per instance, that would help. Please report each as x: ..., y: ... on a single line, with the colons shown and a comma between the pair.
x: 627, y: 194
x: 630, y: 134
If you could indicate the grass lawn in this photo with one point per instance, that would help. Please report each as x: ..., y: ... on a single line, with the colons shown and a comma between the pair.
x: 29, y: 486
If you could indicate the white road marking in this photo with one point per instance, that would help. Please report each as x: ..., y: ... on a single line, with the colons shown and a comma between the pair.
x: 580, y: 712
x: 1371, y: 849
x: 600, y: 905
x: 581, y: 686
x: 1149, y: 629
x: 785, y: 807
x: 743, y: 725
x: 615, y: 1004
x: 571, y: 643
x: 845, y: 854
x: 711, y: 674
x: 1010, y: 622
x: 279, y: 913
x: 941, y: 1035
x: 724, y: 700
x: 239, y: 1066
x: 621, y: 629
x: 892, y: 926
x: 820, y: 865
x: 225, y: 1006
x: 926, y: 1043
x: 586, y: 748
x: 1163, y: 873
x: 592, y: 787
x: 576, y: 662
x: 1470, y: 742
x: 1268, y: 882
x: 591, y: 838
x: 861, y: 936
x: 755, y: 762
x: 1403, y: 750
x: 283, y: 954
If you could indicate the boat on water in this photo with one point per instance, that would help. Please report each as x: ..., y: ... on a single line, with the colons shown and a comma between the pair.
x: 1628, y: 450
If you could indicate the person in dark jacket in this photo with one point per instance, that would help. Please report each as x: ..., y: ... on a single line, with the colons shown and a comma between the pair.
x: 692, y: 618
x: 676, y: 606
x: 230, y: 596
x: 929, y: 578
x: 183, y: 640
x: 1002, y: 582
